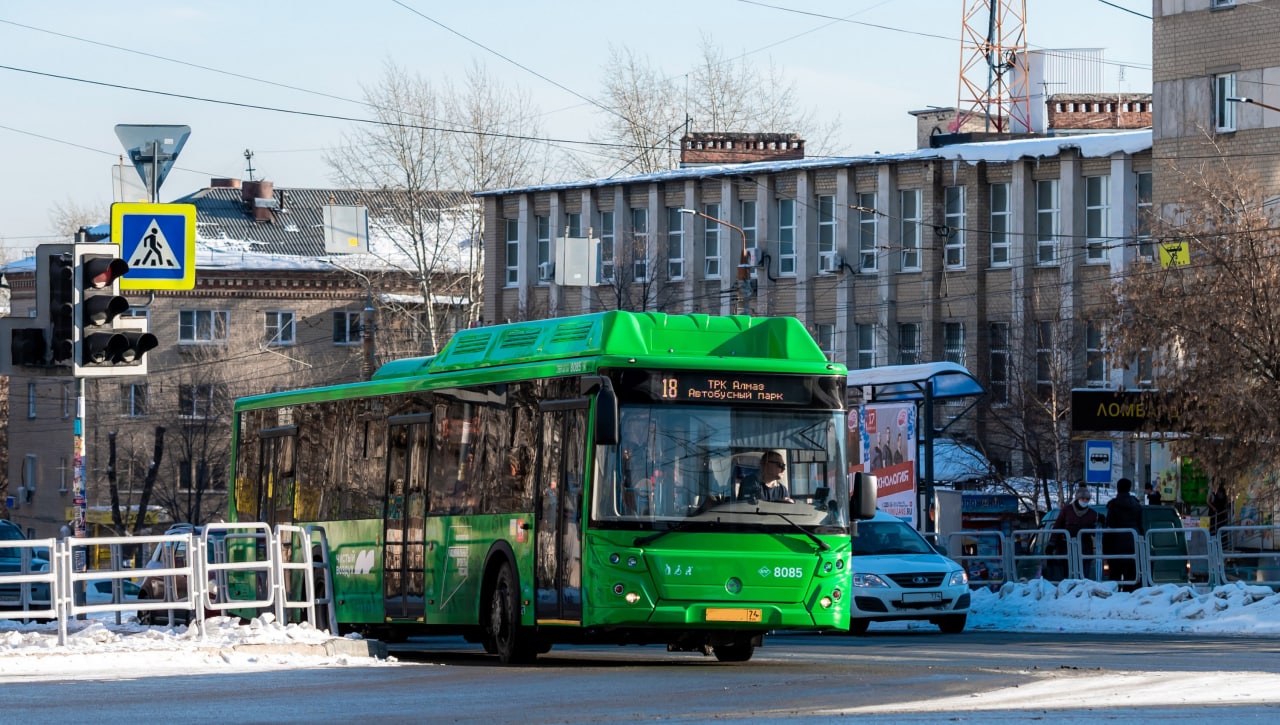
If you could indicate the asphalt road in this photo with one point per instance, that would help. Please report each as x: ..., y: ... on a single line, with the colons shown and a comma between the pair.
x: 893, y: 677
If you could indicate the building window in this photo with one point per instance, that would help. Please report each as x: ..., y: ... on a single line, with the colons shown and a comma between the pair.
x: 1001, y: 215
x: 1095, y: 355
x: 711, y: 242
x: 1224, y: 111
x: 1143, y: 222
x: 675, y: 243
x: 909, y: 230
x: 999, y: 347
x: 606, y: 246
x: 867, y: 232
x: 825, y: 335
x: 1097, y: 217
x: 953, y: 342
x: 202, y: 326
x: 909, y: 343
x: 1044, y: 354
x: 31, y: 400
x: 279, y: 328
x: 1216, y: 4
x: 30, y: 474
x: 573, y: 225
x: 953, y: 219
x: 134, y: 399
x: 544, y: 248
x: 196, y: 401
x: 748, y: 209
x: 346, y: 327
x: 1146, y: 366
x: 1047, y: 221
x: 640, y: 245
x: 787, y: 236
x: 513, y: 252
x: 866, y: 346
x: 826, y: 224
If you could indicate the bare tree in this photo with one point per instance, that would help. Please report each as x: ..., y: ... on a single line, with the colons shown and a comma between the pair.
x: 650, y: 109
x: 636, y: 277
x: 1029, y: 417
x: 424, y: 169
x: 1210, y: 322
x: 66, y: 217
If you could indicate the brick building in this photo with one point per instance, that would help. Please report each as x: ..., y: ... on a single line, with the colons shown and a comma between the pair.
x: 977, y: 253
x: 1205, y: 52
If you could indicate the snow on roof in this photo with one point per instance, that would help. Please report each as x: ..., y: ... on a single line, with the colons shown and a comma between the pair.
x: 909, y: 382
x: 1095, y: 145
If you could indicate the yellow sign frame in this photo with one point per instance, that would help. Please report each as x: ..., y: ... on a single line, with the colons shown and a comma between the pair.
x: 128, y: 214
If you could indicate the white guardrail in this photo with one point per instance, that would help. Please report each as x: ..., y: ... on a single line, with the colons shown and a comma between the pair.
x: 1191, y: 556
x: 194, y: 569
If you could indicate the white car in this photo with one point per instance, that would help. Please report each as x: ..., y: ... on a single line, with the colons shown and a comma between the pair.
x: 98, y: 591
x: 899, y: 575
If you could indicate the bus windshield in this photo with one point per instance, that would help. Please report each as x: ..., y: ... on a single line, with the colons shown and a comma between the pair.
x: 711, y: 468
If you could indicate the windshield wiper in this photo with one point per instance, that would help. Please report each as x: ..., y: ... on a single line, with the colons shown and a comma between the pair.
x: 641, y: 541
x: 822, y: 545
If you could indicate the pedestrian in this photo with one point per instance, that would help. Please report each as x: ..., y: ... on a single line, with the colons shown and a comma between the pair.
x: 1079, y: 516
x: 1123, y: 512
x: 1219, y: 509
x: 1152, y: 494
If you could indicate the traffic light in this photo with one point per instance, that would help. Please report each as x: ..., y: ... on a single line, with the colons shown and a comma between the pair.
x: 60, y: 294
x: 105, y: 344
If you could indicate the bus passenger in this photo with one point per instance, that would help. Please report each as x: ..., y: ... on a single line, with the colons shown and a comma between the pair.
x: 767, y: 484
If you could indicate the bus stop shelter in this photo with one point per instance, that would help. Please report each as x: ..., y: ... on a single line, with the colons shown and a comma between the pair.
x: 924, y: 384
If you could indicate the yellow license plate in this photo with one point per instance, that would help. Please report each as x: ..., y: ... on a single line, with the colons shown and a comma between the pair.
x: 733, y: 615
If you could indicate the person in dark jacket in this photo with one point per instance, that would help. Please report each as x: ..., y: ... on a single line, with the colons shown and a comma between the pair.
x: 1123, y: 512
x: 1153, y: 495
x: 1073, y: 519
x: 1219, y: 509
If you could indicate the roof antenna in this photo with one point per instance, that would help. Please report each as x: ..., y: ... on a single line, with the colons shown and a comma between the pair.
x: 248, y: 158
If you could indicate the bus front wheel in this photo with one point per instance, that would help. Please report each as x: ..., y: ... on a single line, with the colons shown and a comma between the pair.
x: 511, y: 642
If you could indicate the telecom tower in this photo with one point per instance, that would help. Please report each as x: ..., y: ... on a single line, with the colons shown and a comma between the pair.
x: 993, y: 73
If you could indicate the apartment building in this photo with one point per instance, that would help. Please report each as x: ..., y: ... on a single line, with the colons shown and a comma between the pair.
x: 270, y: 310
x: 989, y: 254
x: 1204, y: 54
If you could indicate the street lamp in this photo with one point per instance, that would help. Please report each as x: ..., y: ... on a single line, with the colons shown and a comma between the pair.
x: 744, y: 261
x: 1243, y: 99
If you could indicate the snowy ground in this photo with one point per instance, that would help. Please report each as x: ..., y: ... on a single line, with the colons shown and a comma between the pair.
x: 99, y: 647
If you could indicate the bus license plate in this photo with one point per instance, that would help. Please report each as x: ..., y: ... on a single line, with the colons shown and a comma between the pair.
x: 733, y: 615
x: 919, y: 597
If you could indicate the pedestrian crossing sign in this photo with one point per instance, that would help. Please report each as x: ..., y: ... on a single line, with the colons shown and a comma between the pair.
x: 158, y: 241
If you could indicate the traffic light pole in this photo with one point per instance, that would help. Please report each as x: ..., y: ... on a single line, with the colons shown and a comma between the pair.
x: 79, y: 496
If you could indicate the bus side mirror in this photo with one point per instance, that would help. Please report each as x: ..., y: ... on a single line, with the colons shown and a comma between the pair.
x: 606, y: 432
x: 862, y: 504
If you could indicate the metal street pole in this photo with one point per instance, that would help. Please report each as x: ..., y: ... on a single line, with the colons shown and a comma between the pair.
x: 745, y: 293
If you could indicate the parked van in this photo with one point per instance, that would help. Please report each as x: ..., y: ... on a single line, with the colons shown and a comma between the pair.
x: 1163, y: 571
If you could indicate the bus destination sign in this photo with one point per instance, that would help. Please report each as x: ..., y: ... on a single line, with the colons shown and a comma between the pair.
x: 690, y: 386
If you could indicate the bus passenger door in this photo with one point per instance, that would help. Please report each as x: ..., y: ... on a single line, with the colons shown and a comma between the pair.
x: 558, y: 561
x: 275, y: 483
x: 404, y: 512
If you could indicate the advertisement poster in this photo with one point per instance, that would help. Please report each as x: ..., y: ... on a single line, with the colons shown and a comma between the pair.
x: 889, y: 453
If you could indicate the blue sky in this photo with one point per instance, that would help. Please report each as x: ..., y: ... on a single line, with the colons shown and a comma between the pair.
x: 58, y: 135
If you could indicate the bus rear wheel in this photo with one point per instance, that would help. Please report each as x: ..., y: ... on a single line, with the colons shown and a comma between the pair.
x: 511, y: 642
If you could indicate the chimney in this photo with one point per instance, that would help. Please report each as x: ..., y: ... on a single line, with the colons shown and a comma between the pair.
x: 224, y: 183
x: 259, y: 199
x: 702, y: 149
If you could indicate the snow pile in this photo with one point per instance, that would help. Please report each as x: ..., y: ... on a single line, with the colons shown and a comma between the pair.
x: 1093, y: 607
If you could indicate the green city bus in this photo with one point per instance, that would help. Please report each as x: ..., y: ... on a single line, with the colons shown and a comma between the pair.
x: 572, y: 480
